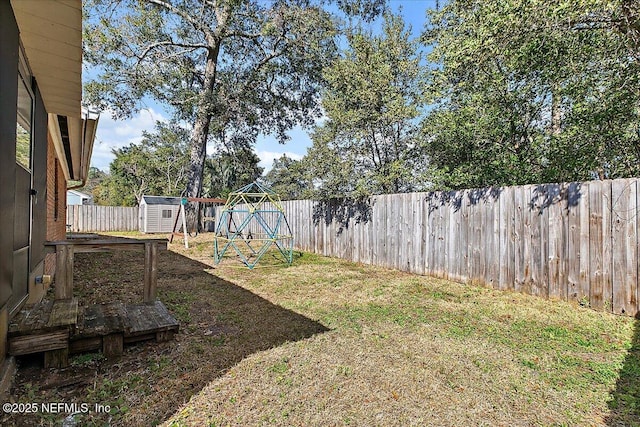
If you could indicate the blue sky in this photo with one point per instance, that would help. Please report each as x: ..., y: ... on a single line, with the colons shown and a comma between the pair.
x: 115, y: 134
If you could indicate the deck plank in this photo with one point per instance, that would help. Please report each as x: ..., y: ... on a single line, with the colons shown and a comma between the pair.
x: 147, y: 318
x: 32, y: 320
x: 48, y: 327
x: 63, y: 313
x: 30, y: 344
x: 101, y: 320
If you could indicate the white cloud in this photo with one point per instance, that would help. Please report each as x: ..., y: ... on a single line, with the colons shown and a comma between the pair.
x: 119, y: 133
x: 267, y: 158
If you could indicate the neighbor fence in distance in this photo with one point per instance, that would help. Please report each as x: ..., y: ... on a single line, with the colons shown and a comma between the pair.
x: 91, y: 218
x: 572, y: 241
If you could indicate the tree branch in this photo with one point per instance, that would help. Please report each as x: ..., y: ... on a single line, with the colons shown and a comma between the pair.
x: 152, y: 46
x: 183, y: 15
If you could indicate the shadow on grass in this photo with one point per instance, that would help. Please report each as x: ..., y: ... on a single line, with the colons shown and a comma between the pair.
x: 221, y: 323
x: 625, y: 402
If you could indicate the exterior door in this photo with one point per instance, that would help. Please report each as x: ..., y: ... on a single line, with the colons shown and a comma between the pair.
x: 21, y: 238
x: 23, y: 165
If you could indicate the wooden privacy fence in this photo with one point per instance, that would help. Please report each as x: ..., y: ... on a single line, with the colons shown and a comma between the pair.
x: 572, y: 241
x: 86, y: 218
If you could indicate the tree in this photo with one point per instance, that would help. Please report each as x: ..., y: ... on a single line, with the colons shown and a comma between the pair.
x: 290, y: 179
x: 167, y: 150
x: 529, y: 91
x: 157, y: 165
x: 95, y: 178
x: 233, y: 68
x: 372, y: 102
x: 230, y: 170
x: 128, y: 179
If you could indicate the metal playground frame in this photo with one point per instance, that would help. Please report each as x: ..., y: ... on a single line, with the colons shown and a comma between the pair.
x: 253, y: 221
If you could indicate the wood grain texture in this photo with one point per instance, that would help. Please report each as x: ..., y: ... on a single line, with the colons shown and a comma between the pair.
x: 584, y: 285
x: 29, y: 344
x: 63, y: 313
x: 607, y: 249
x: 64, y: 273
x: 596, y: 247
x: 557, y: 288
x: 572, y: 258
x: 518, y: 243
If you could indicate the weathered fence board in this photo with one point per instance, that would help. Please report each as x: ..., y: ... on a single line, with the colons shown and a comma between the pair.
x: 607, y: 250
x: 94, y: 218
x: 596, y: 236
x: 584, y: 285
x: 575, y: 241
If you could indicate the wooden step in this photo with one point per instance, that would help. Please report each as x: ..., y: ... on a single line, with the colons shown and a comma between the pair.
x: 30, y: 344
x: 63, y: 313
x: 44, y: 317
x: 58, y: 328
x: 43, y: 327
x: 101, y: 320
x: 149, y: 318
x: 104, y: 326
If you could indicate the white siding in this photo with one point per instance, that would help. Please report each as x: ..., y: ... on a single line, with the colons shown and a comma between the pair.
x: 155, y: 223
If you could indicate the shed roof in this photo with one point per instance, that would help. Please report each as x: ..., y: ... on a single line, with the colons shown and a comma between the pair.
x: 161, y: 200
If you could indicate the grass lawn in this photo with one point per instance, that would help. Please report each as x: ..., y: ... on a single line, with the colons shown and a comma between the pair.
x: 327, y: 342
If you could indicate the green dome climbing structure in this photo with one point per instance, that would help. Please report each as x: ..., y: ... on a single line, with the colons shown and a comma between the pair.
x: 251, y: 222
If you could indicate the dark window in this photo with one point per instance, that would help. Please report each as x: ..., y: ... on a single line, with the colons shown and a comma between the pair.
x: 25, y: 111
x: 167, y: 213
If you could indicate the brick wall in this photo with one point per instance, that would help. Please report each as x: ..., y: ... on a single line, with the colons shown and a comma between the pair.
x: 56, y: 204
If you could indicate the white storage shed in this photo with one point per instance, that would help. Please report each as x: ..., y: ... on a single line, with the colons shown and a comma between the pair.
x: 157, y: 214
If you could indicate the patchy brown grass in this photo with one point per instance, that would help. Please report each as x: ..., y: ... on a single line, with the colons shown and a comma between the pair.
x: 327, y: 342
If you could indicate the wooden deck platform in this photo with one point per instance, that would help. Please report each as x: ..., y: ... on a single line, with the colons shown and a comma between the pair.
x: 60, y: 327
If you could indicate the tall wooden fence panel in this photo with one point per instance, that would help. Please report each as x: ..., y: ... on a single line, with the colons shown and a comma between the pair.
x: 571, y: 241
x: 90, y: 218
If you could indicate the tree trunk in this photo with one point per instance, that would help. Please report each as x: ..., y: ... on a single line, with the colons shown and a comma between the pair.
x: 199, y: 136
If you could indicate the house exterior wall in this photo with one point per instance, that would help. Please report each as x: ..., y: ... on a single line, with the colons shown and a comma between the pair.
x: 8, y: 111
x: 56, y: 204
x: 23, y: 233
x: 38, y: 200
x: 74, y: 198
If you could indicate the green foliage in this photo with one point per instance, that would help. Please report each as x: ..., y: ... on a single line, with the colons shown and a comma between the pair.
x: 23, y: 147
x: 228, y: 171
x: 94, y: 186
x: 517, y: 92
x: 528, y: 91
x: 157, y: 165
x: 372, y: 100
x: 234, y: 69
x: 290, y: 179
